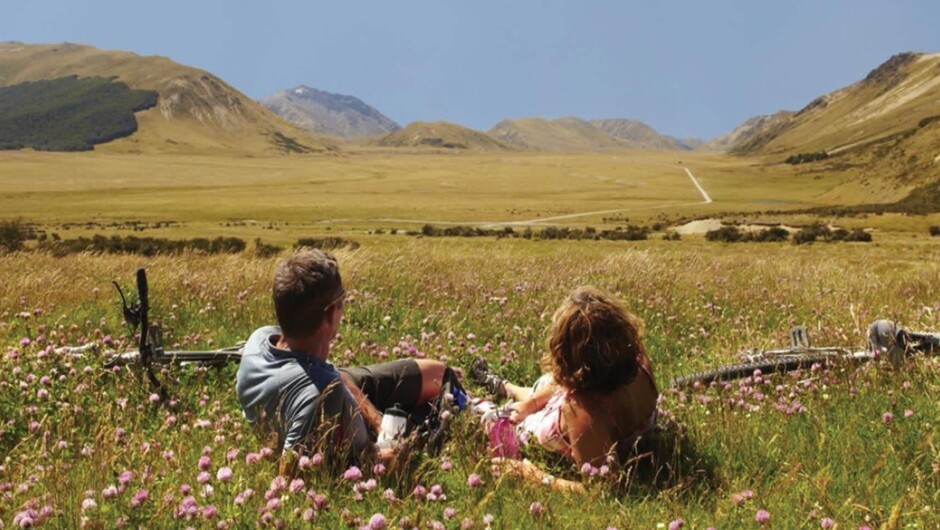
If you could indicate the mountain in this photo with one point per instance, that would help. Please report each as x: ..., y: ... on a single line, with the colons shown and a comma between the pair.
x: 196, y: 111
x: 564, y: 134
x: 758, y: 127
x: 643, y: 135
x: 442, y: 135
x: 891, y: 101
x: 575, y: 134
x: 326, y: 113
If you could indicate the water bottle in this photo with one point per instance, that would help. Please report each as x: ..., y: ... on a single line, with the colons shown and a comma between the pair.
x: 503, y: 439
x: 394, y: 423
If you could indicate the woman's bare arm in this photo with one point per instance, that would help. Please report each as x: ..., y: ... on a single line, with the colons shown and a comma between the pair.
x: 527, y: 470
x: 534, y: 403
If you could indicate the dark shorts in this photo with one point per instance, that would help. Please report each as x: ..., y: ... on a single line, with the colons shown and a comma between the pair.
x: 388, y: 383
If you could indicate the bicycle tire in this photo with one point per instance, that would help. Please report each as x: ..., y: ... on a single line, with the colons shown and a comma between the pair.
x: 779, y: 364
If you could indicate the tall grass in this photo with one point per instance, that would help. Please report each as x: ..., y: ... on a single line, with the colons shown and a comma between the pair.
x: 857, y: 445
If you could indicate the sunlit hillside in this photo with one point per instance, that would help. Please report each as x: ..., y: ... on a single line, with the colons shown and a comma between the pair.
x: 197, y: 111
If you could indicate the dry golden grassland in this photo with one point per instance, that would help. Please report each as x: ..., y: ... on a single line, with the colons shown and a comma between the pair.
x: 374, y: 188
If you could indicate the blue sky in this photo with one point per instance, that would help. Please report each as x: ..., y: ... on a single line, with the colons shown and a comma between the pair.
x: 688, y: 68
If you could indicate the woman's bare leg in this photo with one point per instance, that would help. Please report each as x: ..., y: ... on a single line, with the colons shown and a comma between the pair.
x: 518, y: 393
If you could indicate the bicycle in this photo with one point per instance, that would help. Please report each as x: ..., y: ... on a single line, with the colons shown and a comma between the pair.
x: 884, y: 337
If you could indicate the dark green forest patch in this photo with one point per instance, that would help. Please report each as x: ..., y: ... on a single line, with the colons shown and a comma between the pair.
x: 69, y: 113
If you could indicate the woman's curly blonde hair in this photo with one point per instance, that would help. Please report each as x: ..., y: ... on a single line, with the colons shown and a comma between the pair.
x: 595, y: 343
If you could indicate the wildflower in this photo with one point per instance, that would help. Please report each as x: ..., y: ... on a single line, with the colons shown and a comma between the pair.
x: 474, y: 481
x: 677, y: 524
x: 908, y: 413
x: 109, y: 493
x: 202, y: 477
x: 419, y: 491
x: 762, y: 516
x: 232, y: 454
x: 205, y: 463
x: 535, y: 508
x: 488, y: 519
x: 243, y: 496
x: 446, y: 465
x: 308, y: 514
x: 296, y: 485
x: 153, y: 398
x: 224, y: 474
x: 404, y: 523
x: 747, y: 494
x: 378, y: 469
x: 316, y: 459
x: 887, y: 417
x: 139, y: 498
x: 352, y: 474
x: 437, y: 525
x: 304, y: 462
x: 377, y: 522
x: 279, y: 483
x: 737, y: 499
x: 466, y: 524
x: 88, y: 504
x: 266, y: 452
x: 209, y: 512
x: 252, y: 458
x: 125, y: 477
x: 319, y: 500
x: 449, y: 513
x: 185, y: 489
x: 389, y: 495
x: 827, y: 523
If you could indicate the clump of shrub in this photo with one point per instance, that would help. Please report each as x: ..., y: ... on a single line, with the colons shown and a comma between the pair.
x: 732, y: 234
x: 628, y: 233
x: 811, y: 234
x: 803, y: 158
x: 145, y: 246
x: 264, y: 250
x: 672, y: 236
x: 326, y: 243
x: 12, y: 236
x: 728, y: 234
x: 934, y: 231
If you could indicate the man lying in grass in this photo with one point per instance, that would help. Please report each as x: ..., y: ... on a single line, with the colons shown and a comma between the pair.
x: 598, y: 397
x: 290, y: 391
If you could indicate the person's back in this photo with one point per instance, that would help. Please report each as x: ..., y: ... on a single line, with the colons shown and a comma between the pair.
x: 287, y: 396
x: 614, y: 420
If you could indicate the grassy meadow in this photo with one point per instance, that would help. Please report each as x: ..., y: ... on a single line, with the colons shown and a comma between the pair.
x: 80, y: 446
x: 375, y: 188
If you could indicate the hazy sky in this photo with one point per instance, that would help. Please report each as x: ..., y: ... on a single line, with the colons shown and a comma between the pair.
x: 688, y: 68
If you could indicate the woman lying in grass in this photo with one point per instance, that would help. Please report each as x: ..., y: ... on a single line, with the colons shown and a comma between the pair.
x: 598, y: 395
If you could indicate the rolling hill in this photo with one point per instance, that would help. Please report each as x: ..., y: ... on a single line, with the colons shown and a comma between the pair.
x: 576, y: 135
x: 643, y: 135
x: 196, y: 111
x: 564, y: 134
x: 756, y: 127
x: 441, y: 135
x: 331, y: 114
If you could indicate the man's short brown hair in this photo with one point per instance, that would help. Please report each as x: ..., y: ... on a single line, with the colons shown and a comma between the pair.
x: 304, y: 286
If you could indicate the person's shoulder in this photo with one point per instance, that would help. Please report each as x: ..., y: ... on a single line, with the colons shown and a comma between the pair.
x: 259, y: 340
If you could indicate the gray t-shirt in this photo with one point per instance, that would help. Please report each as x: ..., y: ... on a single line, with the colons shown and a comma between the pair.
x: 299, y: 398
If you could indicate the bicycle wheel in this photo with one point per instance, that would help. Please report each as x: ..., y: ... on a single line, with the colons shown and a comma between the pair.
x: 779, y: 364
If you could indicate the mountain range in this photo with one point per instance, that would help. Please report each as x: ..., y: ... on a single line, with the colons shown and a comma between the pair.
x: 887, y: 123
